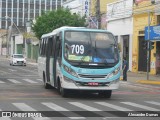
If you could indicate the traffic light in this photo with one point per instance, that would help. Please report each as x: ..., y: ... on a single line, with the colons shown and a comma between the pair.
x: 144, y: 45
x: 152, y: 45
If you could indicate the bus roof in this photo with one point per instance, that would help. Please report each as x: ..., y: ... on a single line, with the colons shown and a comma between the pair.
x: 70, y: 28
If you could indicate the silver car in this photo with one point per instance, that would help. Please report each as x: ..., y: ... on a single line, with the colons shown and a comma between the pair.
x: 18, y: 59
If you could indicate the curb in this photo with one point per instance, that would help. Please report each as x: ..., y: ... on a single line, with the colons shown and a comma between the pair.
x: 149, y: 82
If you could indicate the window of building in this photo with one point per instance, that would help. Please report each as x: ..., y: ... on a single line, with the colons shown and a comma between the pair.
x: 9, y: 9
x: 9, y: 1
x: 158, y: 19
x: 37, y: 10
x: 3, y: 9
x: 31, y: 10
x: 48, y: 2
x: 14, y: 9
x: 53, y: 2
x: 31, y: 1
x: 20, y: 20
x: 43, y: 1
x: 20, y: 1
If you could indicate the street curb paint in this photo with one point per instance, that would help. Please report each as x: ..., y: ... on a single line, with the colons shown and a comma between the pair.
x: 121, y: 77
x: 149, y: 82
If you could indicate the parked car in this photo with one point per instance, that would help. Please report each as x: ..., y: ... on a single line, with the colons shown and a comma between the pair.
x: 18, y: 59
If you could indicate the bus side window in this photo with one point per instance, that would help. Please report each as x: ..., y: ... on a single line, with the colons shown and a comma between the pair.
x: 43, y: 47
x: 59, y: 48
x: 53, y: 46
x: 40, y: 47
x: 46, y: 45
x: 50, y: 46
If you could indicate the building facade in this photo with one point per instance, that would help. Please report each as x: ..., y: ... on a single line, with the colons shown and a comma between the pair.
x: 146, y: 15
x: 21, y: 11
x: 15, y: 14
x: 120, y: 23
x: 102, y: 15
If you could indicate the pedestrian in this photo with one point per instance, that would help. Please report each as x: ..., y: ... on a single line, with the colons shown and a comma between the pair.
x: 125, y: 69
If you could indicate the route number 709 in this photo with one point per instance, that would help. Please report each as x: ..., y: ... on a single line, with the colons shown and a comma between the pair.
x: 78, y: 49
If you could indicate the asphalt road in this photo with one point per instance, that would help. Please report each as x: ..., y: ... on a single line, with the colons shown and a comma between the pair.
x: 22, y: 91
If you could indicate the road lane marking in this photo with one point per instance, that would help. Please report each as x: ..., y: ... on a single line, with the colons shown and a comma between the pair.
x: 76, y: 118
x: 25, y: 107
x: 1, y: 71
x: 113, y: 106
x: 12, y: 70
x: 2, y: 82
x: 32, y: 71
x: 140, y: 106
x: 39, y: 79
x: 85, y: 107
x: 13, y: 81
x: 59, y: 108
x: 28, y: 80
x: 54, y: 106
x: 153, y: 102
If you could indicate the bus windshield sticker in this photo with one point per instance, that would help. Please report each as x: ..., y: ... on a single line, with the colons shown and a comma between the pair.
x: 74, y: 57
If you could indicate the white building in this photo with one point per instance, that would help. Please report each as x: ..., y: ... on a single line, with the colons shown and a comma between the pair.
x: 120, y: 23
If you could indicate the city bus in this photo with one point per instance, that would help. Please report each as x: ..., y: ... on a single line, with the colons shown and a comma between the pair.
x: 79, y: 59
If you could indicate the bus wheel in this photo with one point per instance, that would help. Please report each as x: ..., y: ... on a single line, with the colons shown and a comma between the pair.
x: 62, y: 91
x: 46, y: 85
x: 106, y: 94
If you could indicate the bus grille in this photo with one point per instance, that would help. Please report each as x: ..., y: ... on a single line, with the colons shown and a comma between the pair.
x: 92, y: 76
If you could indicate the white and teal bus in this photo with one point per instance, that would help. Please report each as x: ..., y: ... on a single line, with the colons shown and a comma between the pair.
x: 78, y: 58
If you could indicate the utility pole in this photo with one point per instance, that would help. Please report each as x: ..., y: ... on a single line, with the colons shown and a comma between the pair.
x: 148, y: 46
x: 98, y: 15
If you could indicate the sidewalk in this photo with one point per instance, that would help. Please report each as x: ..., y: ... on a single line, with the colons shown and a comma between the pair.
x: 142, y: 78
x: 31, y: 61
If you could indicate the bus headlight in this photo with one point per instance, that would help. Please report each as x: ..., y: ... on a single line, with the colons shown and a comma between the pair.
x: 115, y: 72
x: 70, y: 71
x: 67, y: 79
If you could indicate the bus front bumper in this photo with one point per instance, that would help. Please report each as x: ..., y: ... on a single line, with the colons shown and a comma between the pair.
x: 79, y: 85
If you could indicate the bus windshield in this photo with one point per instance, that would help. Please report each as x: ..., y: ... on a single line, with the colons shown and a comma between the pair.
x: 94, y: 48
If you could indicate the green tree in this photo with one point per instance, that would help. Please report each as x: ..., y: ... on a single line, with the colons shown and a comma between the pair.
x: 51, y: 20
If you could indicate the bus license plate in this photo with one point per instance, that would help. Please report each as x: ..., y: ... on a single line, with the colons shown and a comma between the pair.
x: 93, y: 84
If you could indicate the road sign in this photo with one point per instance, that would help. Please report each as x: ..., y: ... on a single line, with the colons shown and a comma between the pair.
x: 154, y: 33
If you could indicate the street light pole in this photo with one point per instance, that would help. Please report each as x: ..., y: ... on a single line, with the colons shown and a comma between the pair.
x: 9, y: 36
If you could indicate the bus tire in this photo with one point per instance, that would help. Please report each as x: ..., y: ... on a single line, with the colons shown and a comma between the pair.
x: 106, y: 94
x: 62, y: 91
x: 46, y: 85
